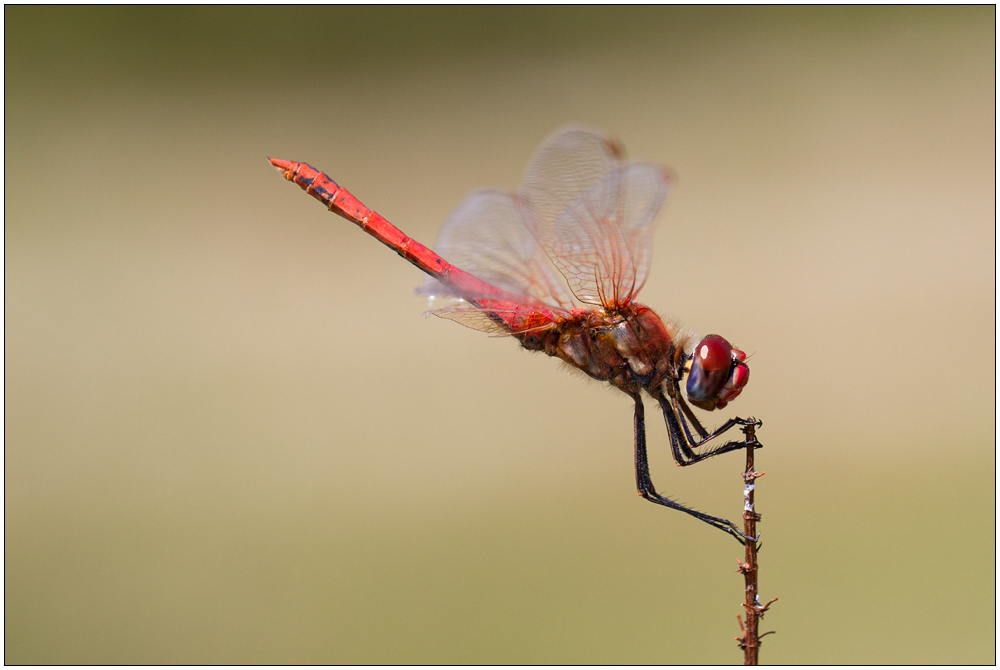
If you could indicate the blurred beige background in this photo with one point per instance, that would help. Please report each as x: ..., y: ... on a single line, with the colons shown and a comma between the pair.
x: 231, y: 437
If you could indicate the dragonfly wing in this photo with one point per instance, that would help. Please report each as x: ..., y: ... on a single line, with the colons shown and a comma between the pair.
x: 602, y: 242
x: 486, y: 237
x: 593, y: 213
x: 567, y: 163
x: 498, y: 320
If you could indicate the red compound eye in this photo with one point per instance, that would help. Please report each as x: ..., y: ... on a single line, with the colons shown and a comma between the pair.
x: 711, y: 365
x: 714, y: 353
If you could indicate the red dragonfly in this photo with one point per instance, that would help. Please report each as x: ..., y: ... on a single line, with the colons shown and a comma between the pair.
x: 557, y: 266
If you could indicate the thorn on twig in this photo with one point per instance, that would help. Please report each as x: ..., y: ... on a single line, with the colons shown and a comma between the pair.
x: 759, y: 609
x: 742, y: 638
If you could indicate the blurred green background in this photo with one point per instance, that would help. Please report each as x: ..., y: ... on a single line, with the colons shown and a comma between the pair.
x: 230, y: 437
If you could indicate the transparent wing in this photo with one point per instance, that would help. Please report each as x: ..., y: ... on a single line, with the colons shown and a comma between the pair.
x: 567, y: 164
x: 497, y: 321
x: 474, y: 318
x: 592, y: 213
x: 486, y: 237
x: 579, y: 230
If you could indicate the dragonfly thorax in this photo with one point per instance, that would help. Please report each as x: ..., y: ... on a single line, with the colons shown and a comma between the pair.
x: 630, y: 347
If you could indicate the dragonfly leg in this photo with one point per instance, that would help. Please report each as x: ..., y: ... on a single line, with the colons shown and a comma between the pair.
x: 683, y: 443
x: 644, y: 482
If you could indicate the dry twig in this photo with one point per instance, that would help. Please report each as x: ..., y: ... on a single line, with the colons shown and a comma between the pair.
x: 749, y: 639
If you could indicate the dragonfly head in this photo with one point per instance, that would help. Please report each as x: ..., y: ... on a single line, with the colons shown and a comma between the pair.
x: 716, y: 373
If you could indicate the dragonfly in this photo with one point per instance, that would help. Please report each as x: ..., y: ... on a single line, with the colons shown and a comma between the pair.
x: 557, y: 265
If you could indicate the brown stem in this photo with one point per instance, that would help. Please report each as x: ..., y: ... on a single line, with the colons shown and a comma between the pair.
x: 749, y: 639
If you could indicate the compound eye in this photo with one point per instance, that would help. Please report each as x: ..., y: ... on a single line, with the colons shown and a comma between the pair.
x: 711, y: 365
x: 734, y: 386
x: 714, y: 353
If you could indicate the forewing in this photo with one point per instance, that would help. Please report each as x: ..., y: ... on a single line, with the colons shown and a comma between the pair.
x: 592, y: 213
x: 602, y: 242
x: 566, y: 165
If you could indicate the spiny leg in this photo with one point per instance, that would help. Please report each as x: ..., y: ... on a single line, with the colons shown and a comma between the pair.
x: 645, y: 484
x: 682, y: 442
x: 685, y: 416
x: 686, y: 412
